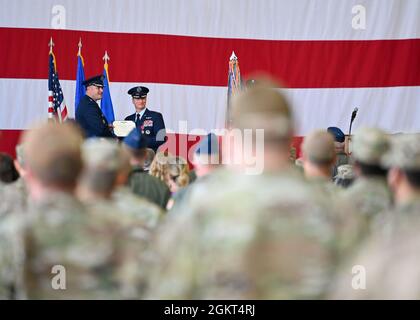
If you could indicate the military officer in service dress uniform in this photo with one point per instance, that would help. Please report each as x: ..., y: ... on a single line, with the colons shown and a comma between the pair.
x: 150, y: 123
x: 88, y: 114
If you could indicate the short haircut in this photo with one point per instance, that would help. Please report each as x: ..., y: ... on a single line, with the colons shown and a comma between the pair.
x: 53, y: 153
x: 264, y: 106
x: 318, y: 148
x: 8, y: 172
x: 139, y: 154
x: 99, y: 180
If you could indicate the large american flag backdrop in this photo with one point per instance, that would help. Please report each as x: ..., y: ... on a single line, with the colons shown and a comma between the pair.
x: 332, y: 55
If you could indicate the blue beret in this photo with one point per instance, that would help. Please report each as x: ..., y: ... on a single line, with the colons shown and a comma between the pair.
x: 208, y: 145
x: 97, y: 81
x: 337, y: 133
x: 138, y: 92
x: 135, y: 140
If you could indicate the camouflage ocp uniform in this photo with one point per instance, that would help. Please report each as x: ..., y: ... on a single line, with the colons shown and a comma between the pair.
x: 342, y: 159
x: 258, y: 237
x: 369, y: 198
x: 389, y: 260
x: 149, y: 187
x: 137, y: 208
x: 14, y: 198
x: 369, y: 194
x: 92, y: 250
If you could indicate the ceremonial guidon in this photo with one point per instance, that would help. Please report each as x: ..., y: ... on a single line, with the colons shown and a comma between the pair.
x: 150, y: 123
x: 88, y: 114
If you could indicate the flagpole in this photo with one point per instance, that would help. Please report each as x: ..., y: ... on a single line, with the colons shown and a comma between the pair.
x: 50, y: 97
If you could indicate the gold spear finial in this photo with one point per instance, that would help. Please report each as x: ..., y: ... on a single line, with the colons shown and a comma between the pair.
x: 80, y: 47
x: 51, y: 45
x: 106, y: 57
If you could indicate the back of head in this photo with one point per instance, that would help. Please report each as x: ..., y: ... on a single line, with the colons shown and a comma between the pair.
x: 178, y: 171
x: 404, y: 154
x: 160, y: 166
x: 136, y: 145
x: 102, y: 159
x: 8, y: 172
x: 318, y: 147
x: 101, y: 154
x: 263, y: 106
x: 370, y: 145
x: 53, y: 154
x: 150, y: 155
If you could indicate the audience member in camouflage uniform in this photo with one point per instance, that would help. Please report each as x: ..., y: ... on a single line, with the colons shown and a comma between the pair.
x: 369, y: 194
x: 136, y: 217
x: 15, y: 196
x: 318, y: 160
x: 59, y: 251
x: 103, y: 160
x: 319, y: 157
x: 390, y: 258
x: 141, y: 182
x: 255, y: 236
x: 14, y: 201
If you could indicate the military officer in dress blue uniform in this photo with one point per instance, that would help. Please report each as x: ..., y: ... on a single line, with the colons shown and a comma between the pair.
x: 149, y: 123
x: 88, y: 114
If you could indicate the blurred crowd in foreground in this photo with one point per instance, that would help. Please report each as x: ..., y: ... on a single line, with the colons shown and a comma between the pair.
x: 103, y: 219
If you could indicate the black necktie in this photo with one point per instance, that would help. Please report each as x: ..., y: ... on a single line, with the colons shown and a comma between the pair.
x: 137, y: 119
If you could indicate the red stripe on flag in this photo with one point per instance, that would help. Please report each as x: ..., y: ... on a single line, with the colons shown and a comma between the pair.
x: 9, y: 139
x: 204, y: 61
x: 64, y: 113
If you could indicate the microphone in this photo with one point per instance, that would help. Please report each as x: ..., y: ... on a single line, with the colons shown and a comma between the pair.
x: 353, y: 116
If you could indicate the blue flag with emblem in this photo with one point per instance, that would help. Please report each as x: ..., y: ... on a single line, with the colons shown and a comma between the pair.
x: 106, y: 102
x: 80, y: 77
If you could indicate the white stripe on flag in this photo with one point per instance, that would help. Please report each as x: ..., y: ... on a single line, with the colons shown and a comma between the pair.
x: 394, y: 108
x: 249, y: 19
